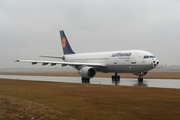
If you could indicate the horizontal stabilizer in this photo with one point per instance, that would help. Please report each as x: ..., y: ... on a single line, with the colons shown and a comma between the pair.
x: 52, y: 57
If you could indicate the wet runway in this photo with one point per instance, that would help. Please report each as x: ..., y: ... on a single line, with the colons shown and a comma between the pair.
x: 160, y: 83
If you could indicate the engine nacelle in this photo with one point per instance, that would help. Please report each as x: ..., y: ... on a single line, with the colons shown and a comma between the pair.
x: 87, y: 72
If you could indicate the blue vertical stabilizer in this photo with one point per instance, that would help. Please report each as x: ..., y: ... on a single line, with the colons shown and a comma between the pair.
x: 65, y: 44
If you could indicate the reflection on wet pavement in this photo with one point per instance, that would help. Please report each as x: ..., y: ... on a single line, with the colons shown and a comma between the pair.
x: 161, y: 83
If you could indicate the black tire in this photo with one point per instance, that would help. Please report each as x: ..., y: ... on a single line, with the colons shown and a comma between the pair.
x: 140, y: 80
x: 113, y: 77
x: 85, y: 80
x: 118, y: 77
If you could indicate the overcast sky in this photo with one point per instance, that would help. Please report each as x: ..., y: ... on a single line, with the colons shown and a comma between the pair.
x: 30, y: 28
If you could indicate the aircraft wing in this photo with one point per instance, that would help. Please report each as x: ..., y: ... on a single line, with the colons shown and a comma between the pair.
x: 53, y: 63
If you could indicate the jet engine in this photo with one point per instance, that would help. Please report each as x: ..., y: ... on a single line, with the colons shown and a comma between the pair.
x: 87, y: 72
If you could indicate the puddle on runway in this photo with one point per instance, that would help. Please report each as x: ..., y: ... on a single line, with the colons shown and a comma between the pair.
x: 161, y: 83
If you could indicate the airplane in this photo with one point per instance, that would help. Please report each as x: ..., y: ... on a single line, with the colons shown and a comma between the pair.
x: 138, y: 62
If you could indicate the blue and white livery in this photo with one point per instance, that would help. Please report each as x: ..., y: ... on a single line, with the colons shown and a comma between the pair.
x: 138, y: 62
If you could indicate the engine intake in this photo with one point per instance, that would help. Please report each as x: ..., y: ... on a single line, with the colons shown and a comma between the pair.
x: 87, y: 72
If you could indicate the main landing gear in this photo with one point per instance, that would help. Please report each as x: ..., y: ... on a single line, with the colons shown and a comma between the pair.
x: 140, y: 79
x: 85, y: 80
x: 116, y: 77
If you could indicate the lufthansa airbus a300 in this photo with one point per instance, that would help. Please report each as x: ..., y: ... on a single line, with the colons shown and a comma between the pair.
x: 138, y: 62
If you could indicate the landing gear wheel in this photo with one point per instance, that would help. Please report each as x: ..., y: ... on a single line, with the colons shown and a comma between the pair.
x: 140, y: 80
x: 118, y: 77
x: 85, y: 80
x: 115, y: 77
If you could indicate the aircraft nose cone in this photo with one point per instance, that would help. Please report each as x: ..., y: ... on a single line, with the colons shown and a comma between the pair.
x: 155, y: 62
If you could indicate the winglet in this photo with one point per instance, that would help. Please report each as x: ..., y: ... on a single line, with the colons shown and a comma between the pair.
x: 65, y: 44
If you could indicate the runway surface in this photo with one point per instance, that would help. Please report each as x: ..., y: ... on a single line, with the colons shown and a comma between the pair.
x: 160, y: 83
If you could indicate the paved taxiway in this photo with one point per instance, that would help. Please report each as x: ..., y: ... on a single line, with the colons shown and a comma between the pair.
x: 160, y: 83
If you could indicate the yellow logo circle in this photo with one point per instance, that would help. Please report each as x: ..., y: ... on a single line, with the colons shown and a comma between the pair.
x: 63, y: 42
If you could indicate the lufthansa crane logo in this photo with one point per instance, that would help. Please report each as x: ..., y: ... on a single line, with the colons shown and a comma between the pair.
x: 63, y: 42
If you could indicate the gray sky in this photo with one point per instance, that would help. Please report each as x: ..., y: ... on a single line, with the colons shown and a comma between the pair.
x: 31, y: 28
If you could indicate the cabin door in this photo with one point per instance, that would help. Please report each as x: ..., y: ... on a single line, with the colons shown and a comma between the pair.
x: 133, y: 59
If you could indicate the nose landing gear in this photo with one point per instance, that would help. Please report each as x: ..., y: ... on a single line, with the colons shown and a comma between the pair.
x: 140, y: 78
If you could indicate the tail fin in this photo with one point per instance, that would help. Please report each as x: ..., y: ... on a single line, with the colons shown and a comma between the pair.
x: 65, y: 44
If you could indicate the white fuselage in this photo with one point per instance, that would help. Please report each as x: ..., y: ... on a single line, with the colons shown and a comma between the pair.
x: 127, y: 61
x: 138, y: 62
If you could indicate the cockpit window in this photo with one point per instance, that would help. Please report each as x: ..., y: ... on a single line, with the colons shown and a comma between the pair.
x: 151, y: 56
x: 146, y: 56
